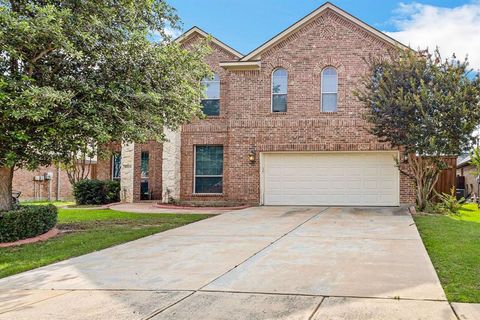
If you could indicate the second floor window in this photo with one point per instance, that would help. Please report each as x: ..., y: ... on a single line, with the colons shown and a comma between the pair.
x: 279, y: 90
x: 329, y: 89
x: 211, y: 104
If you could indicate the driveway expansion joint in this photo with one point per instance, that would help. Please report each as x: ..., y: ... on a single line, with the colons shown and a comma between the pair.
x: 157, y: 312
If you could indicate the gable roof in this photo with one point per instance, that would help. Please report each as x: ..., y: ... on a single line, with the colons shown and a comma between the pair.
x: 326, y: 6
x: 219, y: 43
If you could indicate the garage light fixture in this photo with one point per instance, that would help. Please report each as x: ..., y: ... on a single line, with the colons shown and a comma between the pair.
x: 252, y: 155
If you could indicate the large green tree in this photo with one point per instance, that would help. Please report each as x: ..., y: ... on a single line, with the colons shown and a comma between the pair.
x: 425, y: 105
x: 78, y: 73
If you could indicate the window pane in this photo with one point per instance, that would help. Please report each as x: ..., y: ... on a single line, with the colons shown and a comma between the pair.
x: 330, y: 71
x: 209, y: 160
x: 211, y: 107
x: 144, y: 192
x: 329, y: 84
x: 279, y: 103
x: 212, y: 87
x: 144, y: 164
x: 116, y: 165
x: 280, y: 81
x: 329, y: 80
x: 208, y: 185
x: 329, y: 102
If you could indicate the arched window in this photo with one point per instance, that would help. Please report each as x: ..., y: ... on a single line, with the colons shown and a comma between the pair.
x: 329, y: 89
x: 279, y: 90
x: 211, y: 104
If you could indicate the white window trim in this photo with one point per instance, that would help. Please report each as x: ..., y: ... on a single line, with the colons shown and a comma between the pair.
x: 219, y: 94
x: 322, y: 93
x: 205, y: 176
x: 272, y: 93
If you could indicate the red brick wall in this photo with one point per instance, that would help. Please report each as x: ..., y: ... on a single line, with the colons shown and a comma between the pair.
x: 23, y: 181
x: 104, y: 161
x: 104, y: 167
x: 246, y: 120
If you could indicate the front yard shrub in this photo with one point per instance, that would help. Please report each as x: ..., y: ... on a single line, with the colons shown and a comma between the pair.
x: 112, y: 191
x: 89, y: 192
x: 446, y: 203
x: 95, y: 192
x: 26, y: 222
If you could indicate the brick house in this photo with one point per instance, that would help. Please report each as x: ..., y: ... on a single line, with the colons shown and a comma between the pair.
x: 46, y: 182
x: 283, y: 126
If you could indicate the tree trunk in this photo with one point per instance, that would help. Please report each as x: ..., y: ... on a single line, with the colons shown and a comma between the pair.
x: 6, y: 178
x: 425, y: 172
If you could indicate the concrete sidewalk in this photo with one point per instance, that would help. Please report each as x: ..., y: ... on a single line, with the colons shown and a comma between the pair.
x: 149, y: 207
x: 257, y: 263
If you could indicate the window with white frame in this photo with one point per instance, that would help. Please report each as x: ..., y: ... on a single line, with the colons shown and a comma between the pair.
x: 208, y: 169
x: 329, y: 84
x: 279, y: 90
x: 116, y: 165
x: 211, y: 104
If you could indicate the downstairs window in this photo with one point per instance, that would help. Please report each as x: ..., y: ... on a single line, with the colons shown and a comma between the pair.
x: 208, y: 169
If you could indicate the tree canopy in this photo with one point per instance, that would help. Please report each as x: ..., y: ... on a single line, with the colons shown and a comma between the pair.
x: 74, y: 73
x: 425, y: 105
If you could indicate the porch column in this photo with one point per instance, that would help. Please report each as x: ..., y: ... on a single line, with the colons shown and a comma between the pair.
x: 127, y: 169
x: 171, y: 161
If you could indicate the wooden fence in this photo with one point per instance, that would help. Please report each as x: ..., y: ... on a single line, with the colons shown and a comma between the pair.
x: 448, y: 177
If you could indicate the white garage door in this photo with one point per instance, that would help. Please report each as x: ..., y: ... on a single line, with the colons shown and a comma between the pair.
x: 350, y: 179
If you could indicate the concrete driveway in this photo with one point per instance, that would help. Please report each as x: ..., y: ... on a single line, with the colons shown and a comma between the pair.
x: 257, y: 263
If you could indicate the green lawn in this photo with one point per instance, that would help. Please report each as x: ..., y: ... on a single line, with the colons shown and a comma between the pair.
x: 453, y: 243
x: 87, y: 231
x: 44, y: 202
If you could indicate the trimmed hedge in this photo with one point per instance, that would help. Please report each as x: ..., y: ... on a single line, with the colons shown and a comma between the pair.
x: 96, y: 192
x: 26, y: 222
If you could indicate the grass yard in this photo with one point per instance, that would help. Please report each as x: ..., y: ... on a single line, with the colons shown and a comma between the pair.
x: 44, y: 203
x: 87, y: 231
x: 453, y: 243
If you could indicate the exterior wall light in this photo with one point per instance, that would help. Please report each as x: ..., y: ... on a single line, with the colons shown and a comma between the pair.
x: 405, y: 157
x: 252, y: 157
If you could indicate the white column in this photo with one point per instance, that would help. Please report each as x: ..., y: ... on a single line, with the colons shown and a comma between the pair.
x: 171, y: 161
x: 127, y: 172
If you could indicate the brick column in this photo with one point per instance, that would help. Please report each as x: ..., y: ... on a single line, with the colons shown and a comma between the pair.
x: 171, y: 161
x: 127, y: 172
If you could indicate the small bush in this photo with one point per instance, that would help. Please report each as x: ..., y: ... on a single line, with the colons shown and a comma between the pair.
x: 26, y: 222
x: 95, y: 192
x: 447, y: 203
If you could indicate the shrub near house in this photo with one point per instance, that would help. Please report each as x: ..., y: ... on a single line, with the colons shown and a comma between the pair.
x: 96, y: 192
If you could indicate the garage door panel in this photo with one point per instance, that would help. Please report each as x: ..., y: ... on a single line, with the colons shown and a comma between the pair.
x: 330, y: 179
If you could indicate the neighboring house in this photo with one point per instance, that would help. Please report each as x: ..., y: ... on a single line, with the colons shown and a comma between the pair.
x: 45, y: 182
x: 283, y: 126
x: 467, y: 176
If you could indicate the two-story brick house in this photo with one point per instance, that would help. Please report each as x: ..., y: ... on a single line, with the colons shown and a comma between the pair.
x: 282, y: 127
